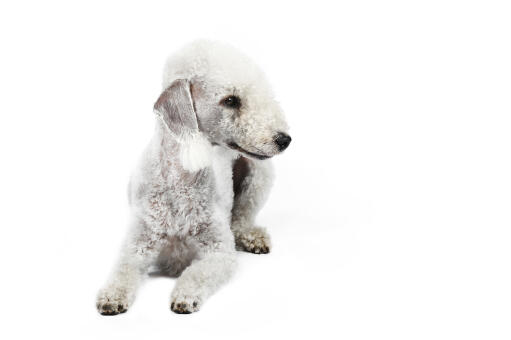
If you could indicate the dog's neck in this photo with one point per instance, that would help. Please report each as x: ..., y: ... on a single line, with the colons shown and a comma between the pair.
x: 168, y: 152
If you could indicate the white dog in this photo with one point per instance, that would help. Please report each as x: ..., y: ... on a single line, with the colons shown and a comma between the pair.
x: 202, y: 179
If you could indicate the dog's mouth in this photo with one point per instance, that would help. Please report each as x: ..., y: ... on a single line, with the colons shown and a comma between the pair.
x: 236, y: 147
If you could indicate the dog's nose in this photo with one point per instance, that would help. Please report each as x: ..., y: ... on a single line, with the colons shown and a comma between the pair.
x: 282, y: 140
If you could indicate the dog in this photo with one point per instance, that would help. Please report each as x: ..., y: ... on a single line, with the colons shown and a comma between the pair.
x: 202, y: 179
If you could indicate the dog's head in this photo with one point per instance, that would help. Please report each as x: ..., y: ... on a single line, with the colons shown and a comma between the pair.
x: 214, y: 95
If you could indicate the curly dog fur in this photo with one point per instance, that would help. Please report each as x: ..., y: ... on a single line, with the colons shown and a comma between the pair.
x: 202, y: 179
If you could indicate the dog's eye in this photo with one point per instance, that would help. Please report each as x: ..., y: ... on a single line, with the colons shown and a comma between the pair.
x: 232, y: 102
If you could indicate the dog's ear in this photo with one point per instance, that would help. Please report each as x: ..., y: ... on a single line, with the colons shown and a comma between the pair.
x: 175, y: 107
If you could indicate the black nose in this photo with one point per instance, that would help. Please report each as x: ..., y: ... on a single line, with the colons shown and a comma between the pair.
x: 282, y: 140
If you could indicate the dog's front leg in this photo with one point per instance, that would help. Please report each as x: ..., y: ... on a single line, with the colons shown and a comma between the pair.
x: 214, y: 265
x: 137, y: 254
x: 252, y: 184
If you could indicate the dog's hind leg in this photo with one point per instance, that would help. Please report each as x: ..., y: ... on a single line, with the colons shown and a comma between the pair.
x: 252, y: 181
x: 140, y: 250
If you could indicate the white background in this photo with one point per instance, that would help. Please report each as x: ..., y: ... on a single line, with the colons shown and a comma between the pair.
x: 390, y: 216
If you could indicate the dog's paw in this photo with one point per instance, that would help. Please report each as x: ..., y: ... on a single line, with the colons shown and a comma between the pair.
x: 184, y: 304
x: 254, y: 240
x: 112, y: 302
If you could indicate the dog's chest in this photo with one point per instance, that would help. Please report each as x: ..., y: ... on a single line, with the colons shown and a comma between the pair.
x: 185, y: 205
